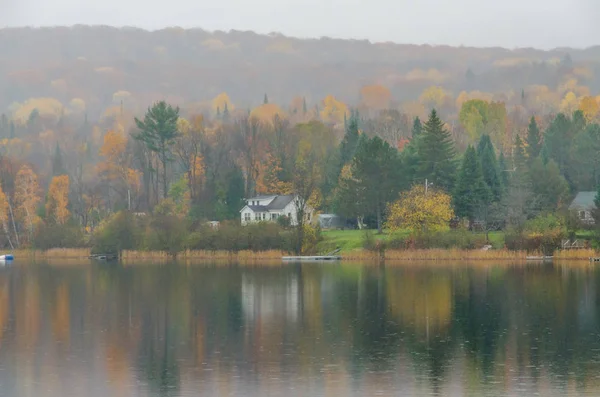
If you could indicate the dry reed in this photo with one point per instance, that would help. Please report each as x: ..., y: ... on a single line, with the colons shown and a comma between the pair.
x: 576, y: 254
x: 55, y: 253
x: 433, y: 255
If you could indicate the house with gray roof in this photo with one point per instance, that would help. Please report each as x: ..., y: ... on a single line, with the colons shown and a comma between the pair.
x: 269, y: 208
x: 584, y: 205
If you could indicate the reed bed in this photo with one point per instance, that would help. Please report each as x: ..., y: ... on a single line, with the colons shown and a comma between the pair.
x: 576, y: 255
x: 199, y: 256
x: 434, y: 255
x: 55, y: 253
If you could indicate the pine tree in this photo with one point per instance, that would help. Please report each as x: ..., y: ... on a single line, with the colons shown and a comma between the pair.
x: 417, y: 128
x: 350, y: 140
x: 158, y: 131
x: 436, y: 153
x: 534, y: 140
x: 265, y: 100
x: 218, y: 112
x: 519, y: 156
x: 226, y: 113
x: 377, y: 169
x: 471, y: 192
x: 484, y: 141
x: 491, y: 172
x: 304, y: 108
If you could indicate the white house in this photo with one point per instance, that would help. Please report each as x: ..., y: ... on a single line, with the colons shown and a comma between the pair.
x: 269, y: 208
x: 584, y: 205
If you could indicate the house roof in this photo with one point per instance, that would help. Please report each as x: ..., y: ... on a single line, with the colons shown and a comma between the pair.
x: 279, y: 203
x: 259, y: 208
x: 584, y: 201
x: 263, y: 197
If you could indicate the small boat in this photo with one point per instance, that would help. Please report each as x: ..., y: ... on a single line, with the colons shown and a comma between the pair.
x: 7, y: 257
x: 104, y: 257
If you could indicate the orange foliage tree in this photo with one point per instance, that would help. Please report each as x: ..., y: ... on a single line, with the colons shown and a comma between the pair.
x: 58, y: 200
x: 27, y: 198
x: 375, y: 97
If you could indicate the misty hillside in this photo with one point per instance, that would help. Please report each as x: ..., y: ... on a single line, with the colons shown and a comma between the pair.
x: 184, y: 66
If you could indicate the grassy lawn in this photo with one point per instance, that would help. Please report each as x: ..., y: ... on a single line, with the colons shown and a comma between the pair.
x: 349, y: 240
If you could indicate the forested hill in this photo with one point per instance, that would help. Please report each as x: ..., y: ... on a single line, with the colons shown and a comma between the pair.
x: 187, y: 66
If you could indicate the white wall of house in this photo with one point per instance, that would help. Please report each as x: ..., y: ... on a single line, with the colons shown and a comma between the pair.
x: 290, y: 210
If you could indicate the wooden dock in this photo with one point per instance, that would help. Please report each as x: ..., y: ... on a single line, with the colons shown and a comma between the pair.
x: 540, y: 258
x: 312, y: 258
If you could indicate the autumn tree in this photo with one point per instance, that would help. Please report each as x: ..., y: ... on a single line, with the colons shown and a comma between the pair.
x: 27, y: 198
x: 57, y: 201
x: 436, y: 154
x: 158, y: 132
x: 188, y: 148
x: 590, y: 108
x: 315, y: 144
x: 375, y: 96
x: 420, y: 211
x: 4, y: 216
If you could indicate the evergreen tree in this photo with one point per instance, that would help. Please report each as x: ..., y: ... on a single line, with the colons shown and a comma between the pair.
x: 484, y: 141
x: 226, y: 113
x: 436, y: 154
x: 236, y: 188
x: 534, y: 140
x: 549, y: 187
x: 58, y: 167
x: 491, y: 172
x: 471, y: 192
x: 417, y: 128
x: 265, y: 100
x: 12, y: 134
x: 304, y: 108
x: 519, y: 156
x: 377, y: 169
x: 218, y: 112
x: 557, y: 140
x: 503, y: 171
x: 4, y: 128
x: 350, y: 140
x: 158, y: 131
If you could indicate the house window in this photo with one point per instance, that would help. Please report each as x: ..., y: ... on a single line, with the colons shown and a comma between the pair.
x: 582, y: 215
x: 264, y: 216
x: 246, y: 217
x: 257, y: 217
x: 290, y: 215
x: 273, y: 217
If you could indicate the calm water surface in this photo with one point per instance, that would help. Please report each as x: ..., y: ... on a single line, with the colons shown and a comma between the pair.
x: 310, y: 330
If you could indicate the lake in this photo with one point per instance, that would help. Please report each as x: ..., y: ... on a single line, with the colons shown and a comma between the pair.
x: 310, y: 330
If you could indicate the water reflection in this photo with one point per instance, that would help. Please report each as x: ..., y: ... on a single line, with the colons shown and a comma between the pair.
x: 299, y: 331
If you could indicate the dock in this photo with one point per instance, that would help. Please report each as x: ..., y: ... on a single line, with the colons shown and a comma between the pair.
x: 540, y: 258
x: 312, y: 258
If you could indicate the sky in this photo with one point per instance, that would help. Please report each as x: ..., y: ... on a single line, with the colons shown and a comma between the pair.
x: 507, y: 23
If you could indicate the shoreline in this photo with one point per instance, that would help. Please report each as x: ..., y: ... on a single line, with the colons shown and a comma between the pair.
x: 391, y: 256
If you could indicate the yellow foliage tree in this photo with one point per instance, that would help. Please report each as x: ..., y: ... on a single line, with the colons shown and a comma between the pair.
x: 375, y: 97
x: 46, y: 107
x: 332, y: 110
x: 266, y: 113
x: 419, y: 211
x: 219, y: 102
x: 58, y: 200
x: 27, y: 198
x: 434, y: 97
x: 590, y: 108
x: 268, y: 181
x: 4, y: 214
x: 569, y: 104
